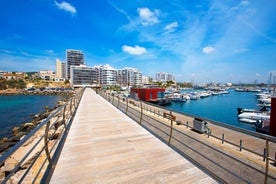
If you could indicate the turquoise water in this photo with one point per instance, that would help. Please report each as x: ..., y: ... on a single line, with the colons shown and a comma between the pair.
x: 16, y: 110
x: 220, y: 108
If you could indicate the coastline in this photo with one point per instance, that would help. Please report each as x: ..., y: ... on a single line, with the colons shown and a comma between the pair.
x: 18, y: 132
x: 35, y: 92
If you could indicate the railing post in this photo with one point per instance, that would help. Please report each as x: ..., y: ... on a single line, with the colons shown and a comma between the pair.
x: 63, y: 116
x: 187, y: 124
x: 118, y: 102
x: 267, y: 161
x: 240, y: 145
x: 222, y: 139
x: 264, y: 154
x: 113, y: 99
x: 141, y: 117
x: 171, y: 128
x: 126, y: 105
x: 46, y: 143
x: 71, y: 106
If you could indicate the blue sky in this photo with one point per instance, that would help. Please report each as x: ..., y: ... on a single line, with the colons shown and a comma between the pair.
x: 200, y: 41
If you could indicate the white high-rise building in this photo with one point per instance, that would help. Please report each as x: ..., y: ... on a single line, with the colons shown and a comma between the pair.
x: 60, y: 69
x: 129, y: 77
x: 163, y: 77
x: 106, y: 75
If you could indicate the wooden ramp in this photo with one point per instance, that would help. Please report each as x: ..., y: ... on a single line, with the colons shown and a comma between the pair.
x: 106, y: 146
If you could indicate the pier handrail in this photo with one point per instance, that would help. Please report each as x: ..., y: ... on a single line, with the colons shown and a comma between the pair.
x: 62, y: 116
x: 138, y: 110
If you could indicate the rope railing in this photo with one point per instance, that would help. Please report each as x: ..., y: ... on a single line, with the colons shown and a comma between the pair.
x: 142, y: 110
x: 38, y: 147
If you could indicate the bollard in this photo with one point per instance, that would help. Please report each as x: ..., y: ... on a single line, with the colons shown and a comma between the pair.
x: 222, y: 139
x: 240, y: 145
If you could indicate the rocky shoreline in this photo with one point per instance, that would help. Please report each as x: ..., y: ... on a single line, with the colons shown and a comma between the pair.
x: 46, y: 92
x: 19, y: 132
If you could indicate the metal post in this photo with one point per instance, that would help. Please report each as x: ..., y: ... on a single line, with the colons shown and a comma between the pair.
x: 141, y: 117
x: 71, y: 106
x: 187, y: 124
x: 113, y: 99
x: 46, y: 143
x: 222, y: 139
x: 240, y: 145
x: 171, y: 128
x: 264, y: 154
x: 126, y: 105
x: 267, y: 161
x: 63, y: 116
x: 118, y: 101
x: 275, y: 159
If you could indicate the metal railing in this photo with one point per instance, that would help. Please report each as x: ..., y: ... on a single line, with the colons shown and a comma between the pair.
x: 33, y: 159
x: 152, y: 117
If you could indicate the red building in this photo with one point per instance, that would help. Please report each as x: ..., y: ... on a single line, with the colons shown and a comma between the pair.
x: 147, y: 94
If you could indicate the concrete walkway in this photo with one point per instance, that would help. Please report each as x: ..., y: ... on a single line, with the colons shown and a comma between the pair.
x: 106, y: 146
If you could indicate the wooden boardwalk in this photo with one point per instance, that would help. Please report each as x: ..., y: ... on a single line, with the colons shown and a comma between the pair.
x: 106, y: 146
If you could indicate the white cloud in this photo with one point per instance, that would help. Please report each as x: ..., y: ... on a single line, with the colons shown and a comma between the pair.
x: 171, y: 27
x: 137, y: 50
x: 245, y: 2
x: 208, y: 50
x: 66, y: 7
x: 148, y: 17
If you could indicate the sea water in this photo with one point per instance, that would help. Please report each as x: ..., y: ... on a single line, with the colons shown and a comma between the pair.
x: 18, y: 109
x: 220, y: 108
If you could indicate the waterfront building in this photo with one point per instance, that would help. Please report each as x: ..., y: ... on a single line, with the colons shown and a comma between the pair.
x: 147, y: 94
x: 46, y: 75
x: 83, y: 76
x: 60, y: 69
x: 129, y: 77
x: 106, y: 75
x: 164, y: 77
x: 73, y: 58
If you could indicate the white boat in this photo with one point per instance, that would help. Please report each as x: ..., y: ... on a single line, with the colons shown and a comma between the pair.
x: 176, y: 97
x: 254, y: 115
x: 246, y: 120
x: 194, y: 96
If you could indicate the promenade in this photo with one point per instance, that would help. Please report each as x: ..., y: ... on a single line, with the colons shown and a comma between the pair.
x: 106, y: 146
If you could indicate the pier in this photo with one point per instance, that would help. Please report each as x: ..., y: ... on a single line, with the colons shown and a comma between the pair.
x: 106, y: 146
x: 104, y: 138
